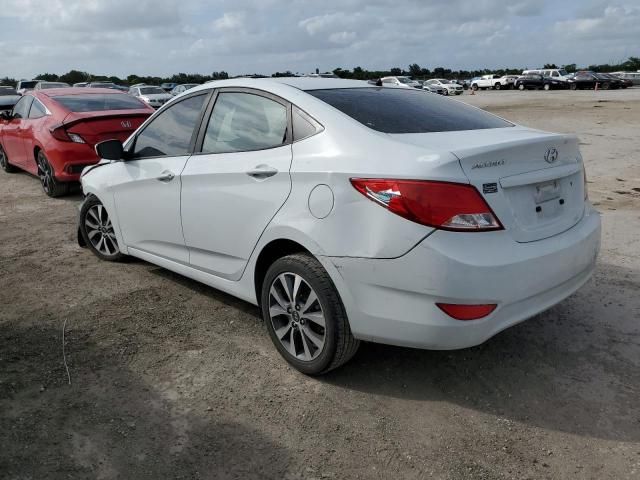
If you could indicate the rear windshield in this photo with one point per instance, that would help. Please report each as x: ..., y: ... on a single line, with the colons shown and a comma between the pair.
x: 28, y: 84
x: 392, y: 110
x: 98, y: 102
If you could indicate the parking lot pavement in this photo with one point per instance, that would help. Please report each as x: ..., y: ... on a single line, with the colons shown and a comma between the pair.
x: 171, y: 379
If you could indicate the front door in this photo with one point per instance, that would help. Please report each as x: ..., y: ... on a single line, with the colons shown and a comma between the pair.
x: 147, y: 185
x: 12, y: 132
x: 232, y: 189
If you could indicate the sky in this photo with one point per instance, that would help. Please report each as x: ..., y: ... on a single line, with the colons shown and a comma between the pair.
x: 158, y: 37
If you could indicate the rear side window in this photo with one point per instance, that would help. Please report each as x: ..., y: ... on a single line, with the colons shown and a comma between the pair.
x: 169, y: 134
x: 243, y: 122
x: 37, y: 110
x: 391, y: 110
x: 21, y: 109
x: 98, y: 102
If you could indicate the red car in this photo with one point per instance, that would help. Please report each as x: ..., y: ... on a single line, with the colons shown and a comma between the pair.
x: 52, y: 133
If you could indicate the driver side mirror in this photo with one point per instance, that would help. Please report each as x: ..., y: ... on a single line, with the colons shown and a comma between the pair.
x: 110, y: 150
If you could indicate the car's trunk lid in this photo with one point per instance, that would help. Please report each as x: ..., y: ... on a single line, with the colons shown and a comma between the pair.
x: 95, y: 127
x: 532, y: 180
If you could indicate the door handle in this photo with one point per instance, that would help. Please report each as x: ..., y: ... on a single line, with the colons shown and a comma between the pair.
x: 262, y: 171
x: 166, y: 176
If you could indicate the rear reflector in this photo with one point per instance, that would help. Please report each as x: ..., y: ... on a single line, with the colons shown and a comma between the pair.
x: 466, y: 312
x: 445, y: 205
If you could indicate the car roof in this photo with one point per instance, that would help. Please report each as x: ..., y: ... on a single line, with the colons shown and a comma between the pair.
x: 53, y: 92
x: 301, y: 83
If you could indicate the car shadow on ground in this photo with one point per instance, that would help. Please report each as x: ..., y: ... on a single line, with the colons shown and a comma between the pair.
x: 574, y: 368
x: 109, y: 423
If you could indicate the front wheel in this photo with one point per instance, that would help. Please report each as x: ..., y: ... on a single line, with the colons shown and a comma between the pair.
x: 474, y: 87
x: 498, y: 86
x: 304, y: 315
x: 573, y: 86
x: 521, y: 87
x: 4, y: 162
x: 97, y: 231
x: 50, y: 185
x: 547, y: 86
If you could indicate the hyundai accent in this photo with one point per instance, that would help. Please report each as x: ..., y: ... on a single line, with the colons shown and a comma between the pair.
x: 349, y: 212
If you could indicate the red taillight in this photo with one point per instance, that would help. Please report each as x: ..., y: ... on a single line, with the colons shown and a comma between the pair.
x: 60, y: 133
x: 449, y: 206
x: 466, y: 312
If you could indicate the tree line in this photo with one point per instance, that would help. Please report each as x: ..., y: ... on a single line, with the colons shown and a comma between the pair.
x: 414, y: 70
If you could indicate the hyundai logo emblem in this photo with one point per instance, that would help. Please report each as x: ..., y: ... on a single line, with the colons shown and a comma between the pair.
x: 127, y: 124
x: 551, y: 155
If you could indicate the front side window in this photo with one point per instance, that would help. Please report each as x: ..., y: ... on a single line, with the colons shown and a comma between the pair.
x: 243, y: 122
x: 170, y: 133
x: 21, y: 109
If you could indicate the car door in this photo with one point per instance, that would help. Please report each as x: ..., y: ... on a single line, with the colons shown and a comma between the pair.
x: 238, y: 181
x: 146, y: 186
x: 12, y: 132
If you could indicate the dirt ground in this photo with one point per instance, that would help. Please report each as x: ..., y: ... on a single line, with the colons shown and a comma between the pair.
x: 171, y: 379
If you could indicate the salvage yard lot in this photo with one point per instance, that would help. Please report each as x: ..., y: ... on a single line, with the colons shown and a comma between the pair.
x: 171, y: 379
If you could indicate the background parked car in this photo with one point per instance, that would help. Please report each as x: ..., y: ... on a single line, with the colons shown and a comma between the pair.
x: 588, y: 79
x: 537, y: 81
x: 634, y: 77
x: 617, y: 82
x: 52, y: 133
x: 449, y: 88
x: 496, y: 82
x: 168, y: 86
x: 178, y: 89
x: 8, y: 97
x: 45, y: 85
x: 400, y: 82
x: 554, y: 73
x: 80, y: 84
x: 25, y: 85
x: 110, y: 85
x: 433, y: 88
x: 154, y: 96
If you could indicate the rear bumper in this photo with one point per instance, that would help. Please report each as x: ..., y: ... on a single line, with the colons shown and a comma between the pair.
x: 68, y: 162
x: 393, y: 301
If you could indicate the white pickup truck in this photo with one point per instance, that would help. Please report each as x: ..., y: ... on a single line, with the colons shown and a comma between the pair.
x: 491, y: 81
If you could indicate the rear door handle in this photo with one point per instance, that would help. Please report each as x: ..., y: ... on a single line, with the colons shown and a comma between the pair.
x: 166, y: 176
x: 262, y: 172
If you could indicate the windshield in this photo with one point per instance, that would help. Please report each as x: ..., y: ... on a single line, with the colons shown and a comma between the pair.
x: 404, y: 80
x: 152, y: 91
x: 99, y: 102
x: 28, y: 84
x: 392, y: 110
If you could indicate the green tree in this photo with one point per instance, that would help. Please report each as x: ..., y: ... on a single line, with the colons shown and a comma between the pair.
x: 415, y: 70
x: 550, y: 65
x: 75, y: 76
x: 47, y: 77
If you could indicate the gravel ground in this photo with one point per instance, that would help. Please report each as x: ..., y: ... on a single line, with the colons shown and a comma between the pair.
x: 171, y: 379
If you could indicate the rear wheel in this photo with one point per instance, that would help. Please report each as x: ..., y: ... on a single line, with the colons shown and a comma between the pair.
x: 304, y: 315
x: 573, y: 86
x: 97, y: 231
x: 605, y: 86
x: 498, y: 86
x: 547, y: 86
x: 474, y: 87
x: 4, y: 162
x: 521, y: 87
x: 50, y: 185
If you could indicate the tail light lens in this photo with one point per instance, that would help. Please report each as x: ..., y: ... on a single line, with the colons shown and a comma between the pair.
x: 466, y: 312
x: 444, y: 205
x: 60, y: 133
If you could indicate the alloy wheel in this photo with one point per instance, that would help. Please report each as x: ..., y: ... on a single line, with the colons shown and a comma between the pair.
x: 100, y: 231
x: 297, y: 316
x: 3, y: 159
x: 45, y: 173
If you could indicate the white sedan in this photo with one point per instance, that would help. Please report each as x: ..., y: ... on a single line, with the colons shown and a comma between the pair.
x: 449, y: 87
x: 349, y: 212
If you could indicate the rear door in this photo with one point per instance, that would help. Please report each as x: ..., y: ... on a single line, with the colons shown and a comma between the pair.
x: 12, y: 132
x: 232, y: 189
x: 146, y: 186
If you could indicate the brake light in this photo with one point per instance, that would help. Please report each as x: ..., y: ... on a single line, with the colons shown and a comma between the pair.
x: 444, y: 205
x: 466, y: 312
x: 60, y: 133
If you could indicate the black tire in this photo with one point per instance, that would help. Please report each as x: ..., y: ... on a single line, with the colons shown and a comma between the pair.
x: 605, y: 86
x: 573, y: 86
x: 4, y: 162
x: 50, y: 185
x: 497, y: 86
x: 521, y: 87
x: 474, y: 87
x: 102, y: 223
x: 547, y: 86
x: 339, y: 344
